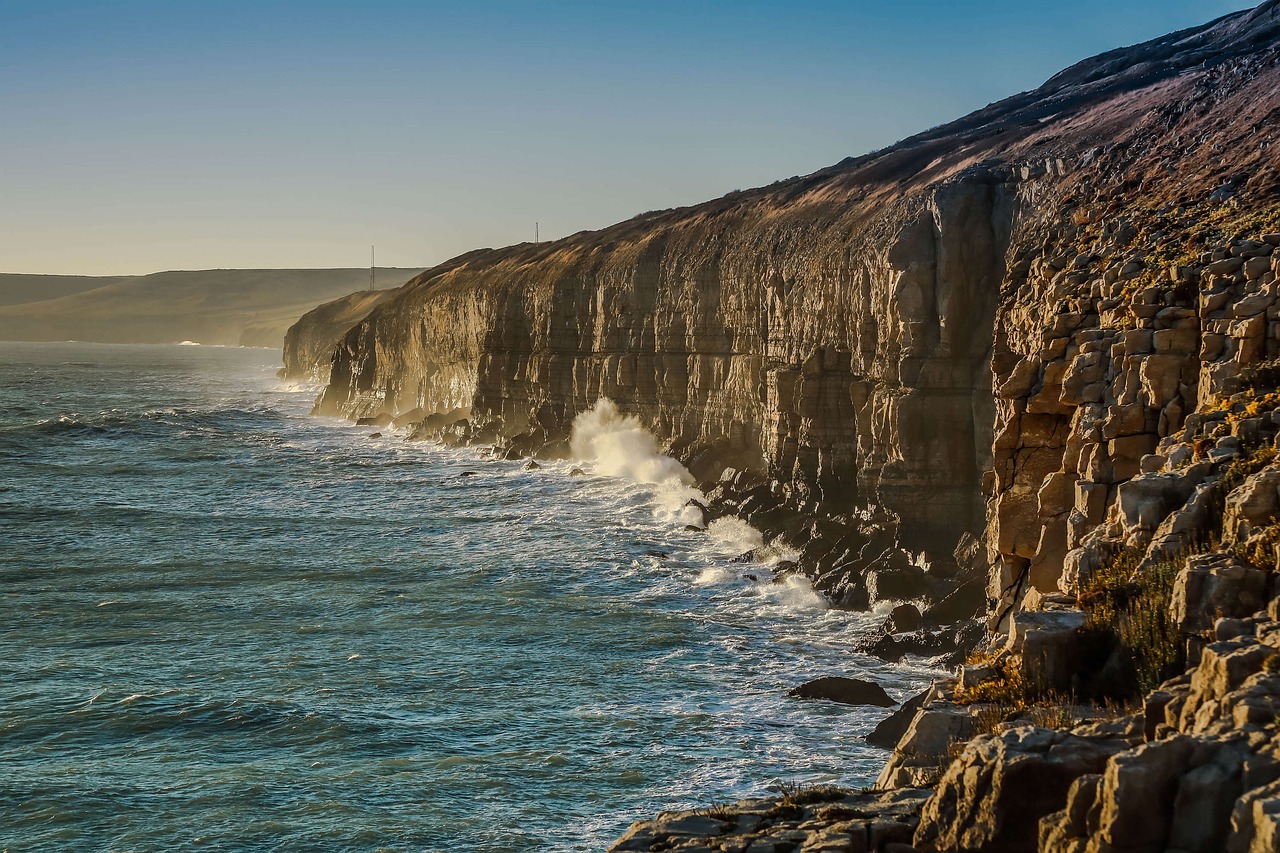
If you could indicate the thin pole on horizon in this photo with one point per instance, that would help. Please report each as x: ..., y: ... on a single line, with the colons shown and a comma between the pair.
x: 372, y: 271
x: 535, y: 233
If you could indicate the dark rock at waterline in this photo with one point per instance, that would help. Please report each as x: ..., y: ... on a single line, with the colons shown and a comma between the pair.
x: 693, y: 528
x: 784, y: 569
x: 532, y: 466
x: 893, y: 727
x: 903, y: 619
x: 752, y: 578
x: 469, y: 474
x: 375, y: 435
x: 577, y: 472
x: 846, y: 691
x: 953, y: 641
x: 554, y: 449
x: 897, y: 583
x: 381, y: 420
x: 967, y: 601
x: 512, y: 454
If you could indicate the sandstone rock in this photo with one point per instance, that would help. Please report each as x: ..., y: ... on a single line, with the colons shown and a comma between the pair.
x: 1253, y: 505
x: 891, y: 729
x: 994, y: 795
x: 1211, y: 586
x: 927, y: 740
x: 1047, y: 644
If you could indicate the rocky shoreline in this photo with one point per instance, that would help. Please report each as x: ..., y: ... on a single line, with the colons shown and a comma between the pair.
x: 1021, y: 371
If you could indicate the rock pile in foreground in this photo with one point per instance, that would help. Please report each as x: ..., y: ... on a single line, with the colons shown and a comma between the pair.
x: 821, y: 820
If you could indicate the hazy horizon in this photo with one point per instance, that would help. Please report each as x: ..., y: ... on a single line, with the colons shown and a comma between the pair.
x: 145, y: 137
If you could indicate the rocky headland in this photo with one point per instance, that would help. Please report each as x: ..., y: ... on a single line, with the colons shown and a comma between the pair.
x: 1022, y: 371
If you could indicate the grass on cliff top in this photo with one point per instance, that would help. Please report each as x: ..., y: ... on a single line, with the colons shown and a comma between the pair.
x: 1189, y: 234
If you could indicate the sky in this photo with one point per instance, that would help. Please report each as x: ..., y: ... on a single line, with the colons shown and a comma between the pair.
x: 144, y: 136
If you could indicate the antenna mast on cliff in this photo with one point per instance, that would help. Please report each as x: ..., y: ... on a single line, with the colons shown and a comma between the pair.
x: 535, y: 233
x: 373, y: 285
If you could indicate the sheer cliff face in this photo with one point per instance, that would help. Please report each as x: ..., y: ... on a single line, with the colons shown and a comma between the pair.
x: 843, y: 348
x: 309, y: 343
x: 837, y: 331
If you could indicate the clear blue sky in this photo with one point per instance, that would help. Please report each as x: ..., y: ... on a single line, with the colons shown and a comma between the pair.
x: 140, y: 136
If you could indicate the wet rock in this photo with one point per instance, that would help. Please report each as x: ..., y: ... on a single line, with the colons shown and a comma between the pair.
x: 382, y: 419
x: 847, y: 691
x: 902, y: 619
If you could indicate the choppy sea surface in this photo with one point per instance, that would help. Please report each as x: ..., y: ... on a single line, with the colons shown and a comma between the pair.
x: 231, y: 626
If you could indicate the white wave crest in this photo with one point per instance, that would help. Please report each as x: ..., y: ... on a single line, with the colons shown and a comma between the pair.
x: 618, y: 445
x: 733, y: 536
x: 796, y: 594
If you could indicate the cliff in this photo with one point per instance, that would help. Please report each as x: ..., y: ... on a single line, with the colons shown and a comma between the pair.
x: 1037, y: 343
x: 309, y: 343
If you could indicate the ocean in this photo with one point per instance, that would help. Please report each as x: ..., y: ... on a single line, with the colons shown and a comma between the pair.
x: 232, y: 626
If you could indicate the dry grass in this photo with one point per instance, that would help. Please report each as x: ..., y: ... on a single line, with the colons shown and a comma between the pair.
x: 1130, y: 624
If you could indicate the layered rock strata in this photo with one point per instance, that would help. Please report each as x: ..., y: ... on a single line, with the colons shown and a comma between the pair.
x: 1038, y: 345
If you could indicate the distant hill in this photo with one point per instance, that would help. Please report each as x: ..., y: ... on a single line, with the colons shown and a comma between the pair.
x: 231, y: 307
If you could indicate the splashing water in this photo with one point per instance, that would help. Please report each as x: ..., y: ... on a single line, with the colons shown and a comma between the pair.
x: 618, y: 445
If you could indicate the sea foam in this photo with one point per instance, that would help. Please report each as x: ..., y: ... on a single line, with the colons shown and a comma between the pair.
x: 619, y: 446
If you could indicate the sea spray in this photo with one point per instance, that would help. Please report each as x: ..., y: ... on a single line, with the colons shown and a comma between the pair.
x: 618, y: 445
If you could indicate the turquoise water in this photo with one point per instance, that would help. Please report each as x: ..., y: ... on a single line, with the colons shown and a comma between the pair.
x: 232, y: 626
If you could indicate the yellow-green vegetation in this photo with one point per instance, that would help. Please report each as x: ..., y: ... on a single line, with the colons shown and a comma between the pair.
x: 802, y: 794
x: 1005, y: 689
x: 1178, y: 240
x: 1130, y: 627
x: 1007, y: 696
x: 1257, y: 393
x: 1262, y: 548
x: 1244, y: 466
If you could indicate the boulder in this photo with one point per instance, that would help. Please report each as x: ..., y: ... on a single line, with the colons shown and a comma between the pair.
x: 1212, y: 586
x: 1251, y: 506
x: 846, y: 691
x: 1048, y: 646
x: 902, y: 619
x: 927, y: 741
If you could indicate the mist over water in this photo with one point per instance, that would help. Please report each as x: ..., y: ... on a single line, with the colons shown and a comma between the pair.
x: 231, y: 625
